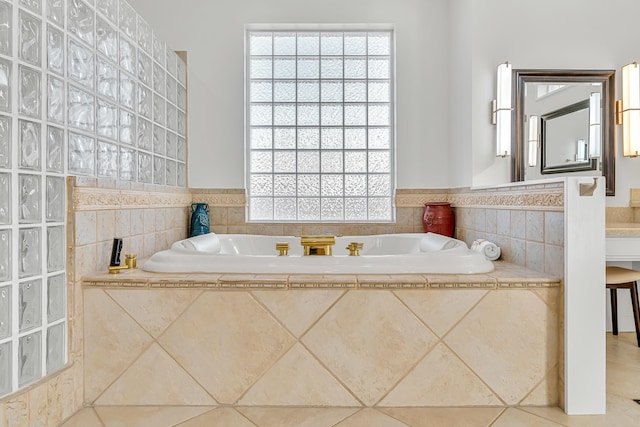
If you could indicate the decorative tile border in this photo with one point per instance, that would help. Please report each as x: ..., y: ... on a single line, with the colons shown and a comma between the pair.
x: 92, y: 199
x: 525, y: 280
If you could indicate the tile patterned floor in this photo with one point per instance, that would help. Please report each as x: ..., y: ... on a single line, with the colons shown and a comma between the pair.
x: 623, y: 385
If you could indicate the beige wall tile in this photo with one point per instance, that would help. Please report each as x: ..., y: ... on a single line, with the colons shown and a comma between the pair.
x: 149, y: 221
x: 554, y: 260
x: 86, y: 261
x: 491, y: 218
x: 218, y: 215
x: 441, y: 379
x: 160, y: 219
x: 54, y: 401
x: 418, y: 213
x: 440, y: 309
x: 390, y: 340
x: 404, y: 217
x: 237, y: 229
x: 503, y: 222
x: 141, y: 385
x: 518, y: 252
x: 298, y: 379
x: 85, y: 226
x: 535, y: 256
x: 137, y: 221
x: 123, y: 223
x: 530, y: 351
x: 108, y: 351
x: 149, y: 247
x: 16, y: 411
x: 226, y: 357
x: 535, y: 226
x: 236, y: 216
x: 38, y: 406
x: 106, y: 225
x: 554, y: 228
x: 518, y: 224
x: 154, y: 310
x: 479, y: 219
x: 298, y: 309
x: 545, y: 393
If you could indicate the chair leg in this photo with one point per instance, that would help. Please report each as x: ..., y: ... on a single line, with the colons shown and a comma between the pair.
x: 614, y: 310
x: 636, y: 310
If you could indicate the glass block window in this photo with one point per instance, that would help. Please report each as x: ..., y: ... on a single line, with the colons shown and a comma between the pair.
x: 320, y: 126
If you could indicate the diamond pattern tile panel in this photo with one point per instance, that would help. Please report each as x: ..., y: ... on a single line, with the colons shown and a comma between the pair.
x: 524, y: 358
x: 298, y: 379
x: 226, y: 340
x: 320, y: 348
x: 155, y: 379
x: 298, y: 309
x: 441, y: 379
x: 369, y: 340
x: 155, y: 310
x: 109, y: 351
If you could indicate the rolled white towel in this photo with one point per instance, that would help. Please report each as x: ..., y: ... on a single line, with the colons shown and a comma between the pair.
x: 432, y: 242
x: 489, y: 249
x: 202, y: 243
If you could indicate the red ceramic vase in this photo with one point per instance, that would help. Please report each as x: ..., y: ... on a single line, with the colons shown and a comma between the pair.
x: 438, y: 218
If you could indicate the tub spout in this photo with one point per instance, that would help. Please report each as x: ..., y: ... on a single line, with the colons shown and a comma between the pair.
x: 317, y: 245
x: 283, y: 248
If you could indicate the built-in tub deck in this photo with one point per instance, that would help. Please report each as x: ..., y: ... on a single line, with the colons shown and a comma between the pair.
x: 505, y: 275
x: 278, y: 340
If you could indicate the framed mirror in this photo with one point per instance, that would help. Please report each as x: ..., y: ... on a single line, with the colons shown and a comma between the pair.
x: 563, y: 122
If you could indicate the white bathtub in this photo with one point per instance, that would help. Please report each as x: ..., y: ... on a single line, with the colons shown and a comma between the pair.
x: 381, y: 254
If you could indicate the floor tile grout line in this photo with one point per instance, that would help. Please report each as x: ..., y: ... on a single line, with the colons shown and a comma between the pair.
x: 99, y: 417
x: 526, y: 409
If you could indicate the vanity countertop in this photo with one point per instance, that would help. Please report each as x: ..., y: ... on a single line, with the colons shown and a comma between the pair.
x: 622, y: 229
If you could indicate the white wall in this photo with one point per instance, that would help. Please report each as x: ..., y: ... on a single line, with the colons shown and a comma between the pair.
x: 588, y: 34
x: 447, y: 53
x: 212, y: 32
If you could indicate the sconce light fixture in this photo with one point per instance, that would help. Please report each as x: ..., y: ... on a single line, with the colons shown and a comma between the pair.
x: 501, y: 110
x: 532, y: 158
x: 628, y: 110
x: 595, y: 117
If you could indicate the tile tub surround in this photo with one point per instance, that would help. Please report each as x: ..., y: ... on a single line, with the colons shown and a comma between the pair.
x: 339, y: 341
x: 526, y: 221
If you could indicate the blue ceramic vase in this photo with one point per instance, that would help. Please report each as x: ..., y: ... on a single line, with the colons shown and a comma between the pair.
x: 199, y: 219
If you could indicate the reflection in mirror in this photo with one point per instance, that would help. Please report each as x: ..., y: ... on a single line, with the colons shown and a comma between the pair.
x: 563, y: 123
x: 564, y: 139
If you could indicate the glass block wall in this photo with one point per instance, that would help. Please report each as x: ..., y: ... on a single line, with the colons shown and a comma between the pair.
x: 320, y: 118
x: 86, y: 88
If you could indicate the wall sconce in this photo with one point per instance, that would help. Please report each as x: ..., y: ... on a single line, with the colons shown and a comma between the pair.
x: 532, y: 159
x: 582, y: 151
x: 501, y: 110
x: 595, y: 117
x: 628, y: 110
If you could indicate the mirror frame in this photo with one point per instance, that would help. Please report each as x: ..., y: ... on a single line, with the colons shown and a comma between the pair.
x: 518, y: 138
